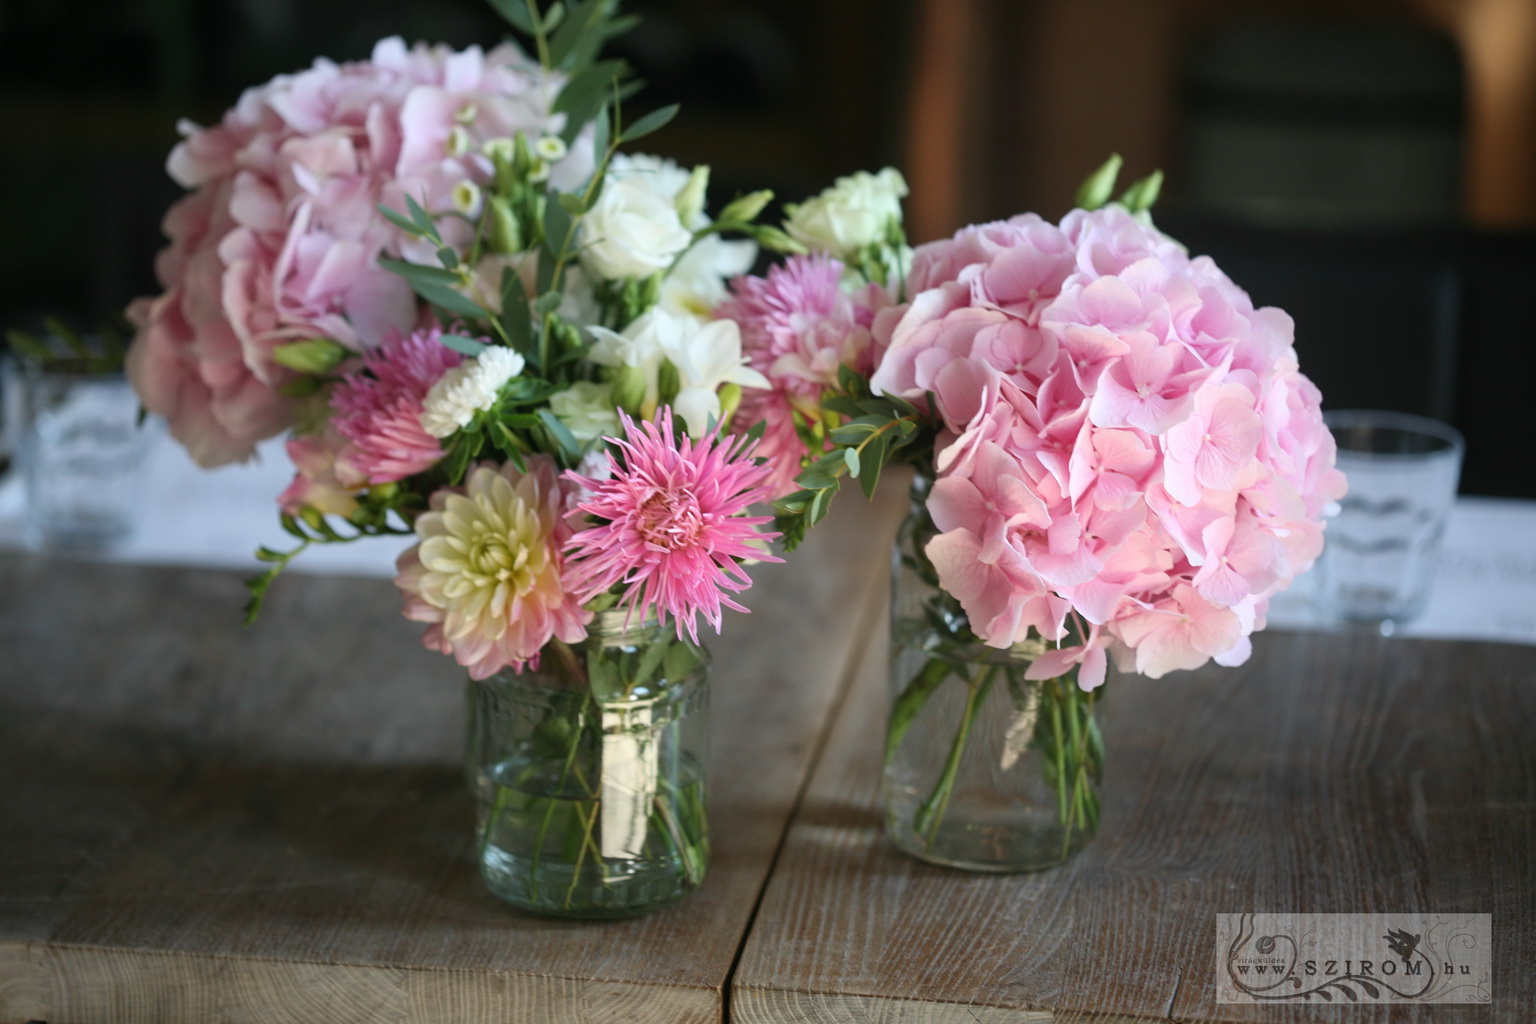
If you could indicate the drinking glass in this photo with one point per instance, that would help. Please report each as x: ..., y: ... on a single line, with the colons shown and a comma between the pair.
x: 1379, y: 558
x: 81, y: 453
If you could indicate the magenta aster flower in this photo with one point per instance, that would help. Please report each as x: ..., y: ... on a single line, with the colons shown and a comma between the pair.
x: 379, y: 409
x: 674, y: 531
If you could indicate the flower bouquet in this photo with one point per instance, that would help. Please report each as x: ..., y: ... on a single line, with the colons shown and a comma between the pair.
x: 1116, y: 456
x: 485, y: 326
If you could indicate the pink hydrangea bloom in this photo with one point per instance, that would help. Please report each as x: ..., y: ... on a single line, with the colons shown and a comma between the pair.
x: 280, y: 237
x: 379, y: 408
x: 488, y: 576
x: 1124, y: 439
x: 673, y: 533
x: 798, y: 325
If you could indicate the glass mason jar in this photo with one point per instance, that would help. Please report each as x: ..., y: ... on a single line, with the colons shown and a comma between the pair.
x: 588, y: 773
x: 984, y: 769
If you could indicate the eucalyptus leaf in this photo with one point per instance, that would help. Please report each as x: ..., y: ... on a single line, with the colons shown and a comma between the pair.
x: 465, y: 345
x: 652, y: 122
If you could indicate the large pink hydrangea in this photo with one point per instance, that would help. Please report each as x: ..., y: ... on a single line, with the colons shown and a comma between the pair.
x: 279, y: 239
x: 1124, y: 437
x: 798, y: 326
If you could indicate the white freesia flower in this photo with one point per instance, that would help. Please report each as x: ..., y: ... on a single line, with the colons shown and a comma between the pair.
x: 697, y: 284
x: 587, y: 410
x: 851, y: 214
x: 634, y: 229
x: 466, y: 389
x: 705, y: 356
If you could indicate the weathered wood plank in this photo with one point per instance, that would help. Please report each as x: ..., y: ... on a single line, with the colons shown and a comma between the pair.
x: 1331, y: 774
x: 217, y: 821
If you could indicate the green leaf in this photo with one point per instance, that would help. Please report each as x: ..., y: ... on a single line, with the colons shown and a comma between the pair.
x: 421, y: 219
x: 28, y: 345
x: 562, y: 435
x: 557, y: 224
x: 603, y: 677
x: 571, y: 203
x: 583, y: 20
x: 650, y: 661
x: 448, y: 257
x: 851, y: 458
x: 820, y: 505
x: 681, y: 659
x: 301, y: 387
x: 515, y: 318
x: 1095, y: 191
x: 875, y: 458
x: 553, y: 17
x: 586, y: 93
x: 516, y: 12
x: 68, y: 335
x: 602, y: 126
x: 398, y: 220
x: 654, y: 121
x: 414, y: 272
x: 460, y: 343
x: 446, y: 298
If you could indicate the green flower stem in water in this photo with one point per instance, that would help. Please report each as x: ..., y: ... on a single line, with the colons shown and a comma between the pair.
x: 1065, y: 733
x: 931, y: 813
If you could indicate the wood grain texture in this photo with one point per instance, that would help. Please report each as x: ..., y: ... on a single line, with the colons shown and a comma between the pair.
x: 209, y: 824
x: 1332, y: 773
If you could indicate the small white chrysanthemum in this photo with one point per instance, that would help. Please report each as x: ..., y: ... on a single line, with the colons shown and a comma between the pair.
x: 466, y: 389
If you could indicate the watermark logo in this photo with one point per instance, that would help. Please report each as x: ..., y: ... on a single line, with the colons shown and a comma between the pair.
x: 1354, y: 958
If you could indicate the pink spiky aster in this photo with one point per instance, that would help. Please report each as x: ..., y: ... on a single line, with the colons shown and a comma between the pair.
x: 798, y: 326
x: 379, y: 410
x: 674, y: 530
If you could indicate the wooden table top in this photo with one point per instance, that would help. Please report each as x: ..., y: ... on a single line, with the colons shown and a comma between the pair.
x: 206, y: 824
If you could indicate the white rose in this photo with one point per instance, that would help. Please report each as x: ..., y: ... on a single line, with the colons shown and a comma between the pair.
x: 851, y: 214
x: 634, y: 230
x: 657, y: 173
x: 587, y: 410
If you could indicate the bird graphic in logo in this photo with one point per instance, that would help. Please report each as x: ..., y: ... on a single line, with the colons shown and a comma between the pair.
x: 1402, y: 943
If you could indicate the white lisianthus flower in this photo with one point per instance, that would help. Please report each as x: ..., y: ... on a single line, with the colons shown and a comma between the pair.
x: 466, y: 389
x: 587, y: 411
x: 634, y: 229
x: 851, y: 214
x: 705, y: 356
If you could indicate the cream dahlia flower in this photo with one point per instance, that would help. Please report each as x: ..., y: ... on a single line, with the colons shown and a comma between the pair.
x: 486, y: 574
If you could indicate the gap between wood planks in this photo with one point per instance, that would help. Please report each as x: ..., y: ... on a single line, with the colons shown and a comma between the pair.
x: 868, y: 626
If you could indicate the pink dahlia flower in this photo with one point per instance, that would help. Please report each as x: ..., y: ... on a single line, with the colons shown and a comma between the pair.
x: 379, y: 408
x: 673, y: 533
x: 279, y: 239
x: 798, y: 326
x: 1124, y: 439
x: 487, y: 575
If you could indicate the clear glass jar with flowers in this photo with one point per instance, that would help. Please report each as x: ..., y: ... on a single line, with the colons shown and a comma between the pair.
x: 485, y: 327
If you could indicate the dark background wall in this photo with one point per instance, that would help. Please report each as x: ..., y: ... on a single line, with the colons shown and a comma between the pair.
x: 1370, y: 165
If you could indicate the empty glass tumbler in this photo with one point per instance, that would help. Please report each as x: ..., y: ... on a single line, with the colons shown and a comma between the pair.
x: 1381, y: 550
